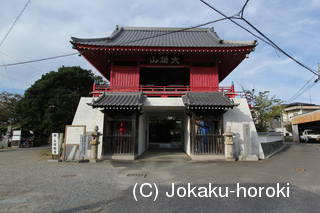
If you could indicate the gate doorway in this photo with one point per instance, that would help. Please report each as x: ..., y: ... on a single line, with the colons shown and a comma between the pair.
x: 207, y: 134
x: 165, y: 131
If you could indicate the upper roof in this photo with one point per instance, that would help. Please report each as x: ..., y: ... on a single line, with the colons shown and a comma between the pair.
x: 162, y: 37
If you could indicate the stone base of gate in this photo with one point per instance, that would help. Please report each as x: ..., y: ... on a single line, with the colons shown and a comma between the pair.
x: 207, y: 157
x: 120, y: 157
x: 249, y: 158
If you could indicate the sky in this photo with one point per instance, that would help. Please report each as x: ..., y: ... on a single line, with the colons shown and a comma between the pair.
x: 46, y: 26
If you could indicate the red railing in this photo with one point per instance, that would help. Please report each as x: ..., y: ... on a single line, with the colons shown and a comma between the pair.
x: 163, y: 91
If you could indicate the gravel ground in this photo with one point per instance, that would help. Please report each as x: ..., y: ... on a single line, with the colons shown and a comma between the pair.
x: 29, y: 183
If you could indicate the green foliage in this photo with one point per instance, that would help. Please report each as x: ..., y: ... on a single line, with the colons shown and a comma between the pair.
x: 7, y: 107
x: 289, y: 128
x: 3, y: 130
x: 7, y: 110
x: 264, y: 108
x: 50, y: 103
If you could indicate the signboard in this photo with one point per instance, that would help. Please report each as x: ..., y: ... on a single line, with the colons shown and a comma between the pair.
x: 84, y: 146
x: 73, y: 133
x: 164, y: 59
x: 56, y: 143
x: 16, y: 135
x: 72, y: 140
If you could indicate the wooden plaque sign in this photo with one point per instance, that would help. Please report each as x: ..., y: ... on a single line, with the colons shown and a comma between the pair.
x: 72, y: 139
x: 73, y: 133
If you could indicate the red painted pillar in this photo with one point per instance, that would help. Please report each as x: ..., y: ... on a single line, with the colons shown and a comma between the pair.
x: 233, y: 93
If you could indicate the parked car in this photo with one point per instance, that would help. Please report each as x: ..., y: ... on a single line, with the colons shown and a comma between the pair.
x: 310, y: 135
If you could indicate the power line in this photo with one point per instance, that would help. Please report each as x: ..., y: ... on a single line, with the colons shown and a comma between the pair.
x: 8, y: 56
x: 236, y: 23
x: 306, y: 89
x: 243, y: 8
x: 145, y: 38
x: 37, y: 60
x: 280, y: 49
x: 175, y: 31
x: 272, y: 44
x: 265, y: 38
x: 301, y: 90
x: 14, y: 22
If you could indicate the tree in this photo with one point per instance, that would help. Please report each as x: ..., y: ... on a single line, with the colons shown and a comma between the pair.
x: 289, y: 127
x: 7, y: 110
x: 50, y: 103
x: 264, y: 108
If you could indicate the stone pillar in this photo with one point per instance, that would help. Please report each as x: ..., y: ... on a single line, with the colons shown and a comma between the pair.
x: 229, y: 146
x: 94, y: 145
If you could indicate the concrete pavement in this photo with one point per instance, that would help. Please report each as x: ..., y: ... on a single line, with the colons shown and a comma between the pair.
x: 29, y: 183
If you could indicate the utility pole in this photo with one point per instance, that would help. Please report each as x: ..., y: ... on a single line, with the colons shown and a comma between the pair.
x: 318, y: 79
x: 315, y: 81
x: 318, y: 71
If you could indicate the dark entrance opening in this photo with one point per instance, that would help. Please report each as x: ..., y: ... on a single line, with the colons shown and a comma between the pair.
x: 120, y: 134
x: 166, y: 132
x: 164, y: 77
x: 309, y: 132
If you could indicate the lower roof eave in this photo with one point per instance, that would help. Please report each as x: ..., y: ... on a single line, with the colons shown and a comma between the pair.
x: 245, y: 49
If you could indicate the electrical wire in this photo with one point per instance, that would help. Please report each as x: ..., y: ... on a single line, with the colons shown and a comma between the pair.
x: 14, y: 22
x: 265, y: 38
x: 272, y: 44
x: 145, y: 38
x: 280, y: 49
x: 8, y: 56
x: 236, y: 23
x: 243, y: 8
x: 175, y: 31
x: 305, y: 90
x: 298, y: 92
x: 302, y: 90
x: 37, y: 60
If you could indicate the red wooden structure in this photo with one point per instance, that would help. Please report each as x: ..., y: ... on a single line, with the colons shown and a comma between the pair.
x: 163, y: 91
x: 163, y: 65
x: 163, y: 62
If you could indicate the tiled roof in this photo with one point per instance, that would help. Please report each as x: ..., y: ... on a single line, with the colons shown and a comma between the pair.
x: 213, y: 100
x: 162, y: 37
x: 119, y: 100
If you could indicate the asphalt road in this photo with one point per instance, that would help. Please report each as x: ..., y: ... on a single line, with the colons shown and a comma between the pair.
x: 29, y: 183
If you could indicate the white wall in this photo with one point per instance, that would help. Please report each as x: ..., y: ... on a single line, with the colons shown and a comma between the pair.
x: 269, y: 137
x: 239, y: 121
x: 86, y: 115
x: 163, y: 102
